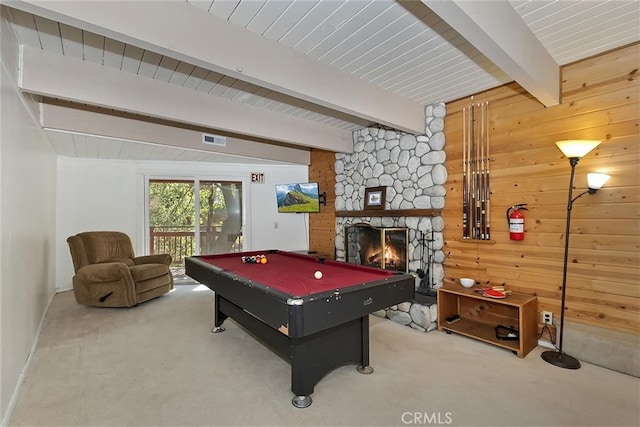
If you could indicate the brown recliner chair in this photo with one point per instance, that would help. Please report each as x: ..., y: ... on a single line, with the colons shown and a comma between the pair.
x: 109, y: 275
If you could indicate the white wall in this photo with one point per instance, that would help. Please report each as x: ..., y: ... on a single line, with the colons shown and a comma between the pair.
x: 109, y: 195
x: 45, y: 198
x: 27, y: 222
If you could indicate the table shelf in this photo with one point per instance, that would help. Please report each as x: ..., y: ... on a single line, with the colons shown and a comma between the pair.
x: 480, y: 315
x: 479, y: 331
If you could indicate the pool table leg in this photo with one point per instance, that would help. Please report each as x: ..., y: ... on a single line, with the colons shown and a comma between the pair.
x: 218, y: 316
x: 365, y: 368
x: 313, y: 356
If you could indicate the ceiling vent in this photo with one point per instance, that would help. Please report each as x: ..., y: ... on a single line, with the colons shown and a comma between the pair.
x: 219, y: 141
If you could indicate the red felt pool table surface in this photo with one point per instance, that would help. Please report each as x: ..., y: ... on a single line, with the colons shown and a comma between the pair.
x: 293, y: 273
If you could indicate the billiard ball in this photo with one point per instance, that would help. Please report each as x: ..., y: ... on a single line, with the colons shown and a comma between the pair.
x: 318, y: 275
x: 263, y: 260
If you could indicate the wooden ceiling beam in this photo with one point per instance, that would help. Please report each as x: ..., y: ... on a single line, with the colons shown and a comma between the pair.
x: 69, y: 117
x: 213, y: 43
x: 499, y: 33
x: 56, y: 76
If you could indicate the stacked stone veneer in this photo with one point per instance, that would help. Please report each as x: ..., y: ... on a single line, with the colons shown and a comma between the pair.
x: 418, y: 316
x: 412, y: 169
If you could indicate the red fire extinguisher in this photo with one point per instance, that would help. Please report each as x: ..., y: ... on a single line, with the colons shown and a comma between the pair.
x: 516, y: 221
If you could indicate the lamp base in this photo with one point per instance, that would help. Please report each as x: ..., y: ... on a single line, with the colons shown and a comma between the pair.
x: 560, y: 359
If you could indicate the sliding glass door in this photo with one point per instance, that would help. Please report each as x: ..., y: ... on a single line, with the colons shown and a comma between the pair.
x: 171, y: 218
x: 190, y: 216
x: 220, y: 217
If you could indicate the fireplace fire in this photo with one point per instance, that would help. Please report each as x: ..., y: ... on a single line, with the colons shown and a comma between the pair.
x: 371, y: 246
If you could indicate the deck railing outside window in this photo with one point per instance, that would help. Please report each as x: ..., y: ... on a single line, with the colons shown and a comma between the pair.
x: 179, y: 242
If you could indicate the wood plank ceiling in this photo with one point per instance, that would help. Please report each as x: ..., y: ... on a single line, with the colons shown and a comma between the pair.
x: 315, y: 70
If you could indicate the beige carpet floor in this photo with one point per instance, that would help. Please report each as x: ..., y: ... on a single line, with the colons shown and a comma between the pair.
x: 159, y: 365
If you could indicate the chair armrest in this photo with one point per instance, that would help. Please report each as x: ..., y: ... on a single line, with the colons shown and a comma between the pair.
x: 104, y: 272
x: 153, y: 259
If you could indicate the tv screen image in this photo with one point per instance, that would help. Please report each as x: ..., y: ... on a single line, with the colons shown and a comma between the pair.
x: 298, y: 198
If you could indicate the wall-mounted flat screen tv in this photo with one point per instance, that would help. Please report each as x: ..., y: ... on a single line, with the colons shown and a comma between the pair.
x: 298, y: 198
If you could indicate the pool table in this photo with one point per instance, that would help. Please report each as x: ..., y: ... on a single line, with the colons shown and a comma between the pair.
x: 315, y: 324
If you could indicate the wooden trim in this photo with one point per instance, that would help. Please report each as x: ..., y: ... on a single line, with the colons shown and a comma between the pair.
x: 489, y: 242
x: 394, y: 212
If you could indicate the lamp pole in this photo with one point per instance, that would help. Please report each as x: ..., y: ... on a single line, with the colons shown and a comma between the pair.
x: 559, y: 358
x: 574, y: 150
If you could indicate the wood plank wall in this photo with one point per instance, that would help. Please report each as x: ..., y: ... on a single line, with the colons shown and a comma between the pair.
x: 599, y: 101
x: 322, y: 226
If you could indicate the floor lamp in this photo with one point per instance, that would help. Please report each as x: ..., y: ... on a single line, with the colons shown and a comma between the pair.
x: 574, y: 150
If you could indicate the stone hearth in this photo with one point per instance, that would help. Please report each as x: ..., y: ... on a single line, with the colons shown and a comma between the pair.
x: 420, y: 314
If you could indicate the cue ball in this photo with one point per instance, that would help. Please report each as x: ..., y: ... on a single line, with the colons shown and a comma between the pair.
x: 318, y: 274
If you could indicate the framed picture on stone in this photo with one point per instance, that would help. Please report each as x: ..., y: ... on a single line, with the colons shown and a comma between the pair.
x: 374, y: 198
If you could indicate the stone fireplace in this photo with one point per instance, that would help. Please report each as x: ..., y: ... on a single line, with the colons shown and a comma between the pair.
x: 412, y: 169
x: 371, y: 246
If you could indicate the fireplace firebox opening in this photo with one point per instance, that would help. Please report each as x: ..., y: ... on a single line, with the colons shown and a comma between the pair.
x: 385, y: 248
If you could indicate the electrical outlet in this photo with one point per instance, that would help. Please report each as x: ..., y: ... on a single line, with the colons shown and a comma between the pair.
x: 547, y: 317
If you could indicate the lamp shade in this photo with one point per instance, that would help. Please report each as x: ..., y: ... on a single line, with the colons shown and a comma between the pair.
x: 576, y: 148
x: 595, y: 181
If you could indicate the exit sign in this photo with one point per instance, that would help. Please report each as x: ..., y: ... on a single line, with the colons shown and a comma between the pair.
x: 257, y: 177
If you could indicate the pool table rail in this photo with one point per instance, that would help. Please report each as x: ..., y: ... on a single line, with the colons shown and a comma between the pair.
x: 298, y: 316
